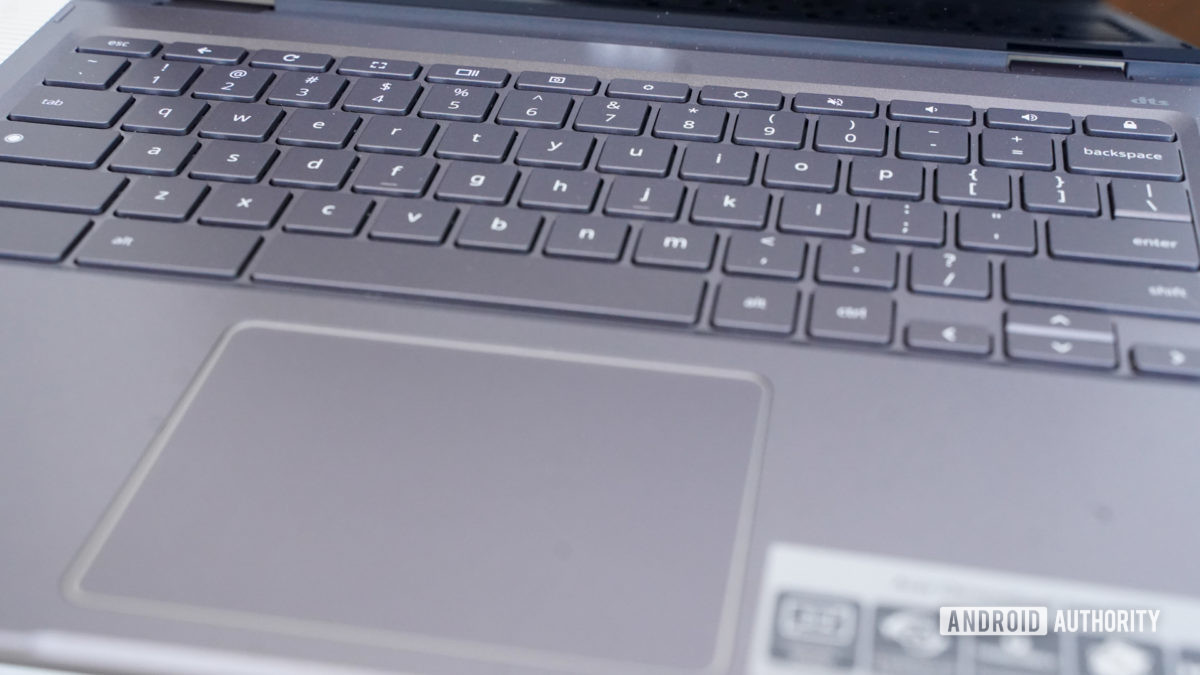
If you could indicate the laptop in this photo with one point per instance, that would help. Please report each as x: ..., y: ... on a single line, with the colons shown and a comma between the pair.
x: 512, y: 337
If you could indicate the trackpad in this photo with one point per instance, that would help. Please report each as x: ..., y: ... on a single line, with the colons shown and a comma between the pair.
x: 490, y: 502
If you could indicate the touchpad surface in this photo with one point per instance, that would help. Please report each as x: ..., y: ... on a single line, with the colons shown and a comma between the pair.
x: 529, y: 507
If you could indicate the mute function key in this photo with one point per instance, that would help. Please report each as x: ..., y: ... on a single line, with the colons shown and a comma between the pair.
x: 852, y: 106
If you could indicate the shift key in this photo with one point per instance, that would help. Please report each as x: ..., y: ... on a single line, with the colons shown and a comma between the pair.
x: 57, y: 146
x: 192, y: 250
x: 55, y: 189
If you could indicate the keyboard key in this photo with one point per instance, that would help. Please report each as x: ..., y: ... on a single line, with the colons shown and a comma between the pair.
x: 85, y: 71
x: 921, y: 111
x: 801, y: 170
x: 917, y: 224
x: 949, y: 337
x: 1103, y: 287
x: 851, y: 136
x: 395, y: 176
x: 671, y: 245
x: 1060, y: 337
x: 363, y: 66
x: 636, y: 156
x: 973, y: 186
x: 483, y: 77
x: 499, y: 229
x: 248, y: 206
x: 412, y: 220
x: 71, y: 107
x: 585, y: 85
x: 58, y: 146
x: 152, y: 247
x: 757, y: 306
x: 480, y: 276
x: 337, y: 214
x: 119, y: 46
x: 718, y: 164
x: 478, y: 183
x: 313, y: 169
x: 587, y: 238
x: 161, y: 78
x: 474, y: 142
x: 159, y: 116
x: 1142, y: 242
x: 396, y: 136
x: 933, y: 143
x: 275, y: 58
x: 1029, y: 120
x: 1021, y: 150
x: 556, y: 190
x: 556, y: 149
x: 232, y: 84
x: 690, y: 123
x: 965, y: 275
x: 829, y: 216
x: 670, y: 92
x: 154, y: 155
x: 1124, y: 127
x: 996, y: 231
x: 856, y: 264
x: 169, y: 199
x: 534, y: 109
x: 251, y: 122
x: 305, y: 90
x: 1166, y: 360
x: 1135, y: 159
x: 232, y: 161
x: 851, y: 315
x: 765, y: 255
x: 1060, y: 193
x: 770, y: 129
x: 57, y: 189
x: 887, y: 178
x: 741, y: 98
x: 611, y: 116
x: 642, y: 198
x: 382, y: 97
x: 38, y: 236
x: 852, y: 106
x: 731, y: 206
x: 1150, y: 201
x: 468, y: 104
x: 191, y: 51
x: 318, y: 129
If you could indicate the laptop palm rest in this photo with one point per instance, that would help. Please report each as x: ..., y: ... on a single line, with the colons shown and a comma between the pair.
x: 495, y: 503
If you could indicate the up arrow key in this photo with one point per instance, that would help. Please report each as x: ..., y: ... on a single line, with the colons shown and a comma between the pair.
x: 1062, y: 338
x: 1060, y: 320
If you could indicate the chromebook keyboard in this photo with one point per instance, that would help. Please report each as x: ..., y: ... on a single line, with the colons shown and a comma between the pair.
x: 803, y: 216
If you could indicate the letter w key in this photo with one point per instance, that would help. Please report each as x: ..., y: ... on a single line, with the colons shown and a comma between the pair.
x: 241, y: 122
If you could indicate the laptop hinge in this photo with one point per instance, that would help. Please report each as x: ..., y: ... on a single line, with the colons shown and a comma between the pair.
x: 1099, y: 66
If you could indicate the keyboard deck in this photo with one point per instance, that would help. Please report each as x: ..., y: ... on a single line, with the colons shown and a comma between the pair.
x: 799, y: 216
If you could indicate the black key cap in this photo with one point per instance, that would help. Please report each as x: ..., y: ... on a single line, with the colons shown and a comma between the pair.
x: 801, y: 171
x: 973, y: 186
x: 1142, y: 242
x: 534, y: 109
x: 643, y: 198
x: 305, y: 90
x: 933, y: 143
x: 965, y: 275
x: 731, y: 206
x: 241, y: 122
x: 765, y: 255
x: 741, y: 98
x: 38, y: 236
x: 1019, y: 150
x: 170, y: 199
x: 58, y: 146
x: 611, y: 116
x: 478, y: 183
x: 72, y: 107
x: 587, y: 237
x: 248, y: 206
x: 55, y: 189
x: 1103, y: 287
x: 468, y: 104
x: 670, y: 245
x: 1149, y: 200
x: 161, y: 78
x: 85, y: 71
x: 1125, y: 127
x: 154, y: 155
x: 408, y: 136
x: 887, y: 178
x: 855, y: 316
x: 646, y: 90
x: 1029, y: 120
x: 825, y: 215
x: 191, y: 51
x: 996, y: 231
x: 232, y: 84
x: 1060, y: 193
x: 556, y: 149
x: 918, y: 224
x: 1134, y: 159
x: 396, y: 176
x: 475, y: 142
x: 151, y: 247
x: 314, y: 169
x: 636, y: 156
x: 483, y: 77
x: 566, y: 84
x: 690, y: 122
x: 557, y: 190
x: 367, y: 67
x: 856, y: 264
x: 718, y: 164
x: 318, y: 129
x: 770, y: 129
x: 338, y: 214
x: 1060, y: 337
x: 382, y: 97
x: 499, y: 229
x: 480, y: 276
x: 418, y: 221
x: 232, y: 161
x: 921, y: 111
x: 1166, y: 360
x: 852, y: 106
x: 949, y: 337
x: 274, y: 58
x: 159, y: 116
x: 851, y: 136
x: 757, y: 306
x: 119, y: 46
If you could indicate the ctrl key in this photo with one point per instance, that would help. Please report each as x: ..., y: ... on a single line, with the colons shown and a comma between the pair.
x: 167, y: 248
x: 852, y: 315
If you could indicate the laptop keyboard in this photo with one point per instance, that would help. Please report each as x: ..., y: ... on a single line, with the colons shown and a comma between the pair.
x: 800, y: 216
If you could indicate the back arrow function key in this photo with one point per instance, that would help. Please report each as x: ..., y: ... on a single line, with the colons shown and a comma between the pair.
x: 191, y: 51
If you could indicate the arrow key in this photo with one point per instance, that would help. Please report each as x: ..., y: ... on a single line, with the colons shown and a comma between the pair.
x: 950, y: 337
x: 1166, y: 360
x: 191, y: 51
x: 1067, y: 338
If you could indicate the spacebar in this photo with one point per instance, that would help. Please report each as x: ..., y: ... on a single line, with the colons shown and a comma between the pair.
x: 476, y: 276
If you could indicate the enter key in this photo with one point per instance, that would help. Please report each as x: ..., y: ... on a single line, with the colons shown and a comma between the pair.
x: 1140, y: 242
